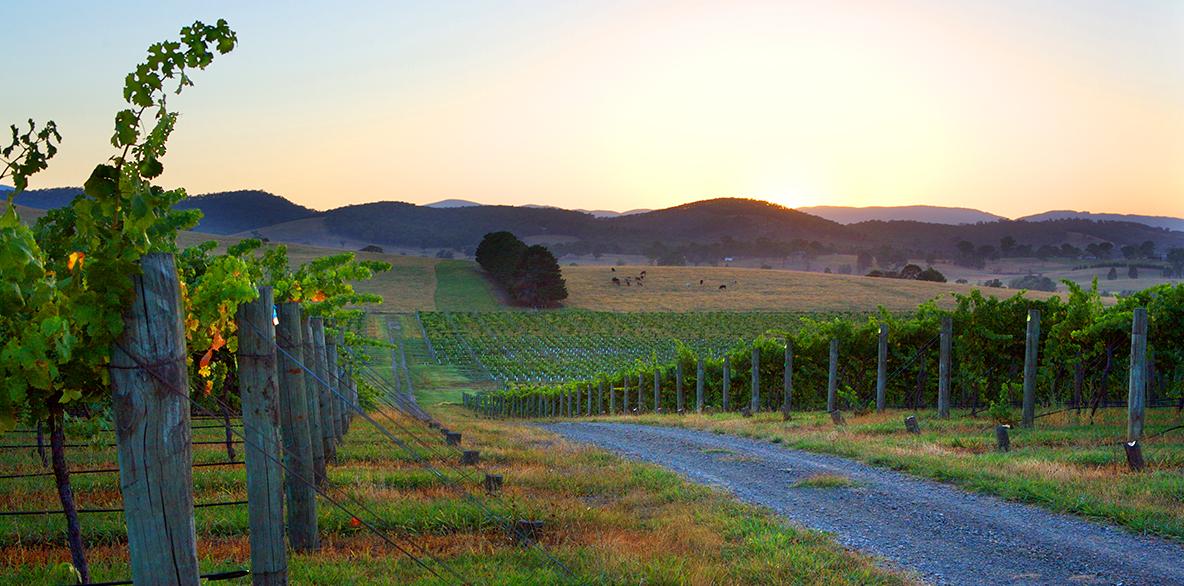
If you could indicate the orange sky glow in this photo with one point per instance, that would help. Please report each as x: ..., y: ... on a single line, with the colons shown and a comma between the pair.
x: 1011, y: 107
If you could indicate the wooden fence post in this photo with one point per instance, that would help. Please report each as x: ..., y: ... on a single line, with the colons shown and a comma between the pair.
x: 150, y: 385
x: 832, y: 376
x: 296, y: 434
x: 787, y: 380
x: 727, y: 383
x: 334, y: 375
x: 943, y: 367
x: 625, y: 394
x: 679, y: 399
x: 312, y: 394
x: 640, y: 392
x: 326, y: 400
x: 657, y: 390
x: 612, y: 398
x: 700, y: 372
x: 882, y: 369
x: 588, y: 413
x: 754, y: 404
x: 1031, y: 354
x: 259, y: 394
x: 1136, y: 399
x: 600, y: 397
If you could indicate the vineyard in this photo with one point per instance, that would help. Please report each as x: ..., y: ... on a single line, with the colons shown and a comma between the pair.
x: 1082, y: 358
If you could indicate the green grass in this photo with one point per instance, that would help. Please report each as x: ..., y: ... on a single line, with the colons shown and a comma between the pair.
x: 459, y: 287
x: 609, y: 520
x: 1066, y: 464
x: 826, y: 481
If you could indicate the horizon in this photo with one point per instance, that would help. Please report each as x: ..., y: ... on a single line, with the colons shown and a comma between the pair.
x: 615, y: 107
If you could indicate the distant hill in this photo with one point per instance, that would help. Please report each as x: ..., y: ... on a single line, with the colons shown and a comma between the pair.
x: 237, y: 211
x: 48, y: 199
x: 404, y: 224
x: 1157, y: 221
x: 943, y: 237
x: 224, y: 213
x: 928, y: 214
x: 452, y: 203
x: 5, y: 189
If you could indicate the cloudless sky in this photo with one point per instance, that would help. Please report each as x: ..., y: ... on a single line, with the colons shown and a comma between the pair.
x: 1010, y: 106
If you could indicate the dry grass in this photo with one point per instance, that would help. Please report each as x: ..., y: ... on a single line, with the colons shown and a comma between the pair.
x: 678, y: 289
x: 611, y: 521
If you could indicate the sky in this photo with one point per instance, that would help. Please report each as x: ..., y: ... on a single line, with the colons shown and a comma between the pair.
x: 1014, y: 107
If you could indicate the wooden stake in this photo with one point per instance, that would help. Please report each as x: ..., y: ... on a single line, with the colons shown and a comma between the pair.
x: 882, y: 370
x: 326, y: 400
x: 1002, y: 440
x: 1031, y: 355
x: 700, y: 372
x: 832, y: 376
x: 1136, y: 399
x: 295, y: 432
x: 312, y: 394
x: 943, y: 367
x: 754, y: 404
x: 679, y: 399
x: 259, y: 394
x: 787, y: 382
x: 727, y: 385
x: 150, y: 396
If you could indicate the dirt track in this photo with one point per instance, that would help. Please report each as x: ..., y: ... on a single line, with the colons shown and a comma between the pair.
x: 946, y: 535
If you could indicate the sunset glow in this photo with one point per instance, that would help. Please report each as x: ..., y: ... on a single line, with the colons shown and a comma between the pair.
x: 1011, y: 107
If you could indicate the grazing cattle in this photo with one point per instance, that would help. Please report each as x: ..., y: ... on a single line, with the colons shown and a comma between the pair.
x: 643, y: 273
x: 723, y: 286
x: 616, y: 281
x: 700, y: 281
x: 613, y: 269
x: 628, y: 281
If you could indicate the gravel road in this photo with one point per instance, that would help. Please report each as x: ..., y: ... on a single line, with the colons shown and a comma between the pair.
x: 946, y: 535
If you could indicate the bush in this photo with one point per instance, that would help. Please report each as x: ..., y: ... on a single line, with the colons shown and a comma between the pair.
x: 1033, y: 283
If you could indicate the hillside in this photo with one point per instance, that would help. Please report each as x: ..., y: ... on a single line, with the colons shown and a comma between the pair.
x: 223, y: 213
x: 1079, y: 232
x: 929, y: 214
x: 1167, y: 222
x: 236, y: 211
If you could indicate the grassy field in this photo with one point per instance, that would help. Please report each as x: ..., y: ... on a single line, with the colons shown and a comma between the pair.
x: 1065, y: 464
x: 610, y: 521
x: 459, y: 287
x: 678, y: 289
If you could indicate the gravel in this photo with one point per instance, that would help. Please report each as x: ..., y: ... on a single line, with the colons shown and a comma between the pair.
x: 946, y: 535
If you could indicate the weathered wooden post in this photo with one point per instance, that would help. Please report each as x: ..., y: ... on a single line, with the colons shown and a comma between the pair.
x: 1031, y: 354
x: 754, y: 403
x: 325, y: 398
x: 625, y: 394
x: 943, y: 367
x: 312, y: 392
x: 832, y: 376
x: 1136, y: 399
x: 1002, y: 439
x: 588, y: 412
x: 727, y: 384
x: 787, y: 380
x: 295, y: 432
x: 150, y: 396
x: 911, y: 425
x: 340, y: 405
x: 600, y: 397
x: 882, y: 370
x: 493, y: 483
x: 470, y: 457
x: 259, y: 394
x: 700, y: 372
x: 657, y: 390
x: 679, y: 400
x: 612, y: 398
x: 640, y: 392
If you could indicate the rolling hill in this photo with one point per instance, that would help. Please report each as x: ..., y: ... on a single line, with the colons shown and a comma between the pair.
x: 1167, y: 222
x: 928, y: 214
